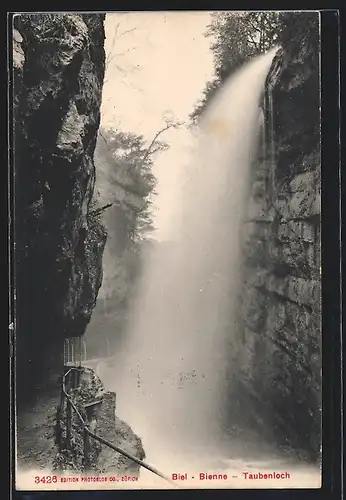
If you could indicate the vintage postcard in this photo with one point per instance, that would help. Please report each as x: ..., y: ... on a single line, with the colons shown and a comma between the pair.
x: 167, y: 314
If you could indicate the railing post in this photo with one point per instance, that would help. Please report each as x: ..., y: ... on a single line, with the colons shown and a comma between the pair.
x: 59, y: 415
x: 67, y: 382
x: 78, y: 374
x: 86, y: 440
x: 68, y: 423
x: 65, y: 353
x: 84, y: 356
x: 79, y: 352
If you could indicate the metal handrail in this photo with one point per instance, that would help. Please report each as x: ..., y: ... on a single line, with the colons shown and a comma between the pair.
x: 103, y: 441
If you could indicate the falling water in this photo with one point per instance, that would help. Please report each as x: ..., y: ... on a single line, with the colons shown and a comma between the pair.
x: 171, y: 371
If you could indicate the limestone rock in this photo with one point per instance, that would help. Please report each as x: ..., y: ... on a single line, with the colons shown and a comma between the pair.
x: 59, y: 70
x: 278, y: 356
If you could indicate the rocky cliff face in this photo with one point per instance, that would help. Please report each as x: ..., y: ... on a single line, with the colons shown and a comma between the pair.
x: 58, y: 78
x: 279, y: 352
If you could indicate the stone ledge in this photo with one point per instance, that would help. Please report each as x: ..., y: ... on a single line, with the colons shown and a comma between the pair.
x: 253, y: 308
x: 301, y: 198
x: 299, y: 258
x: 295, y: 319
x: 300, y: 205
x: 292, y: 230
x: 299, y: 290
x: 255, y: 277
x: 304, y: 182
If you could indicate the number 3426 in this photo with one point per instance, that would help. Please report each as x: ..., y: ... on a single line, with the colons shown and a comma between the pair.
x: 46, y: 479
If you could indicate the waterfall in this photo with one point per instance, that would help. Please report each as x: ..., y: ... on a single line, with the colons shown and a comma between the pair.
x: 271, y: 142
x: 171, y: 370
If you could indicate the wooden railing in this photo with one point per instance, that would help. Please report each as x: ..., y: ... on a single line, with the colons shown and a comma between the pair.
x: 87, y: 433
x: 74, y: 351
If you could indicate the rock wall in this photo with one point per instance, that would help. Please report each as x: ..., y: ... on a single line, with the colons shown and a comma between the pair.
x: 279, y: 350
x: 58, y: 79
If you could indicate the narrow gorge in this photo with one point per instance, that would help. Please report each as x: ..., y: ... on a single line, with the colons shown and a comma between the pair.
x: 209, y: 343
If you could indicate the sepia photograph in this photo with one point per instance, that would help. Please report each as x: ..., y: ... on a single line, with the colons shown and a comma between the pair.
x: 167, y: 278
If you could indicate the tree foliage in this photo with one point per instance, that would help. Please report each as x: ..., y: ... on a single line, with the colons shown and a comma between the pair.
x: 237, y: 37
x: 134, y: 154
x: 130, y: 152
x: 124, y: 162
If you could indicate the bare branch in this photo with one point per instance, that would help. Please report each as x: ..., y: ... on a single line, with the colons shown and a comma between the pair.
x: 256, y: 28
x: 126, y: 32
x: 157, y: 135
x: 119, y: 68
x: 119, y: 54
x: 111, y: 55
x: 115, y: 35
x: 105, y: 140
x: 153, y: 151
x: 252, y: 42
x: 109, y: 59
x: 98, y: 211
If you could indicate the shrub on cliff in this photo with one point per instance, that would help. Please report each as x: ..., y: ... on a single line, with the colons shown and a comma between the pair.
x: 237, y: 37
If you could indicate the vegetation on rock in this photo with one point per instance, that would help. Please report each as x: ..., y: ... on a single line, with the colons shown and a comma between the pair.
x: 237, y: 37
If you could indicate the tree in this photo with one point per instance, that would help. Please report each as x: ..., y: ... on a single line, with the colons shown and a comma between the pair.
x: 124, y: 162
x: 237, y: 37
x: 111, y: 55
x: 132, y: 153
x: 118, y: 31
